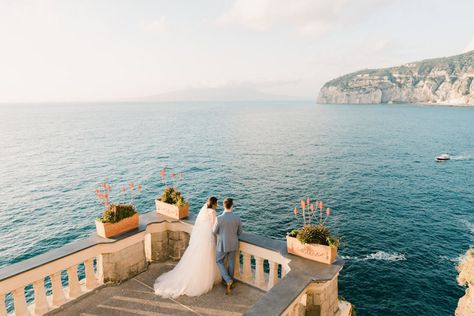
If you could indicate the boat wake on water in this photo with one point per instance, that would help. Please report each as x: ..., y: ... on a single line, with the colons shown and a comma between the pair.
x: 379, y: 255
x: 463, y: 157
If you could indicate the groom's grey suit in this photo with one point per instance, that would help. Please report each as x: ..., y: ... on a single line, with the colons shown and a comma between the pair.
x: 228, y: 227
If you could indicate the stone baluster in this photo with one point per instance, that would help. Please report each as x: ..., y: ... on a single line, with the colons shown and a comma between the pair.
x: 41, y: 303
x: 273, y: 275
x: 284, y: 271
x: 91, y: 281
x: 247, y: 268
x: 3, y: 308
x: 20, y: 302
x: 237, y: 265
x: 259, y: 275
x: 292, y: 311
x: 58, y: 297
x: 74, y: 287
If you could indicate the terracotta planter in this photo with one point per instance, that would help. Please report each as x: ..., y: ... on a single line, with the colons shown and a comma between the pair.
x: 108, y: 230
x: 315, y: 252
x: 171, y: 210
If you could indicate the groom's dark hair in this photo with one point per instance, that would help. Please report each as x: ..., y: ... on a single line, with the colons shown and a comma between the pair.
x: 228, y: 202
x: 211, y: 201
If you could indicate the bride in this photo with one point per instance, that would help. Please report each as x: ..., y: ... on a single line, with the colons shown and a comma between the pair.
x: 197, y: 271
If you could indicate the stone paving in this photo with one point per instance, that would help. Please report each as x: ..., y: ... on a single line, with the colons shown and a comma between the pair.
x: 136, y: 297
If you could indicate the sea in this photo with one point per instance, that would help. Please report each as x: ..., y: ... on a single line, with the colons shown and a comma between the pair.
x: 403, y: 218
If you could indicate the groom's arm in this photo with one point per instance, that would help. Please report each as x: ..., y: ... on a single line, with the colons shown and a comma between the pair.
x: 215, y: 228
x: 239, y: 231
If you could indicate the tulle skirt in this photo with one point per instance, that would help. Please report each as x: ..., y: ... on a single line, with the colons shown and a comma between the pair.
x: 196, y: 272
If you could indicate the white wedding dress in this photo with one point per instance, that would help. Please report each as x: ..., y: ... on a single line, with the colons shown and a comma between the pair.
x: 196, y: 272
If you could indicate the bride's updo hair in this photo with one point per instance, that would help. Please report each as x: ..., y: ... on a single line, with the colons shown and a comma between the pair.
x: 211, y: 202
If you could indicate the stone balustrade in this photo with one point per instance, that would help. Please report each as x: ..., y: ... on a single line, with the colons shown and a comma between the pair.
x: 59, y: 294
x: 293, y: 285
x: 268, y: 266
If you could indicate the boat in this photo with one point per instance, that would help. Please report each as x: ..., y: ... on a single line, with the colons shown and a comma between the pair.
x: 443, y: 157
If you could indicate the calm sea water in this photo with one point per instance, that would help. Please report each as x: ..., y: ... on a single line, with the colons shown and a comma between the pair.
x: 405, y: 219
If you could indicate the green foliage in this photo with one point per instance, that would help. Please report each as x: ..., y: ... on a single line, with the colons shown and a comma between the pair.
x: 293, y: 233
x: 173, y: 196
x: 316, y: 234
x: 117, y: 212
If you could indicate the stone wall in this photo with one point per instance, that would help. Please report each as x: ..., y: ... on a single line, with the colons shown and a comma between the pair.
x: 168, y: 245
x: 158, y: 246
x: 321, y: 298
x: 177, y: 244
x: 118, y: 266
x: 124, y: 264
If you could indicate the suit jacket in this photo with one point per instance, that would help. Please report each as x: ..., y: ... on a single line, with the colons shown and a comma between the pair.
x: 227, y: 228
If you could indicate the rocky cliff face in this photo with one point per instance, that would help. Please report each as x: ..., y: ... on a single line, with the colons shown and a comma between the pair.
x: 446, y: 80
x: 466, y: 278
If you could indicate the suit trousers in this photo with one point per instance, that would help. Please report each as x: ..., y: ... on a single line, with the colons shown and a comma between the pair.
x: 226, y: 273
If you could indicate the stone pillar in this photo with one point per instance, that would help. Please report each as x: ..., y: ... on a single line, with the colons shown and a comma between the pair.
x: 3, y: 307
x: 322, y: 298
x: 58, y: 298
x: 74, y: 286
x: 19, y: 302
x: 41, y: 303
x: 91, y: 278
x: 122, y: 265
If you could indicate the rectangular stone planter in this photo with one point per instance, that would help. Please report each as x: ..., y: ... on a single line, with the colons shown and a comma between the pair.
x: 178, y: 212
x: 315, y: 252
x: 108, y: 230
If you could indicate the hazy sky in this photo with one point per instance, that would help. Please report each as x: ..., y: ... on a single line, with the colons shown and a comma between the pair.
x: 64, y: 50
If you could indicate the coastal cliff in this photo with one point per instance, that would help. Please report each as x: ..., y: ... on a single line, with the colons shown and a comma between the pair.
x: 447, y: 80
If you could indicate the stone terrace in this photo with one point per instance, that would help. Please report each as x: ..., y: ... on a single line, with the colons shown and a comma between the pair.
x: 114, y: 276
x: 136, y: 297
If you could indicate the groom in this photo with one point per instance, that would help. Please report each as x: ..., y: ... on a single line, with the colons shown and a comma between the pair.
x: 227, y: 228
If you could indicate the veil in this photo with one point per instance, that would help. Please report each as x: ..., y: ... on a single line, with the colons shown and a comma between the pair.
x: 196, y: 272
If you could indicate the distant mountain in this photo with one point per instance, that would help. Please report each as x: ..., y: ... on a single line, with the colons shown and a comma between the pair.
x: 447, y: 80
x: 226, y: 93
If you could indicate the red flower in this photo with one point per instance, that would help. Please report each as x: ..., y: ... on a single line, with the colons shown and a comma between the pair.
x: 173, y: 174
x: 328, y: 212
x: 104, y: 185
x: 162, y: 172
x: 321, y: 205
x: 311, y: 207
x: 303, y: 205
x: 108, y: 187
x: 139, y: 187
x: 131, y: 185
x: 295, y: 211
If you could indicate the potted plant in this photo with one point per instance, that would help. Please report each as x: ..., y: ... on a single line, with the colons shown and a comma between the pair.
x: 116, y: 218
x: 172, y: 203
x: 313, y: 241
